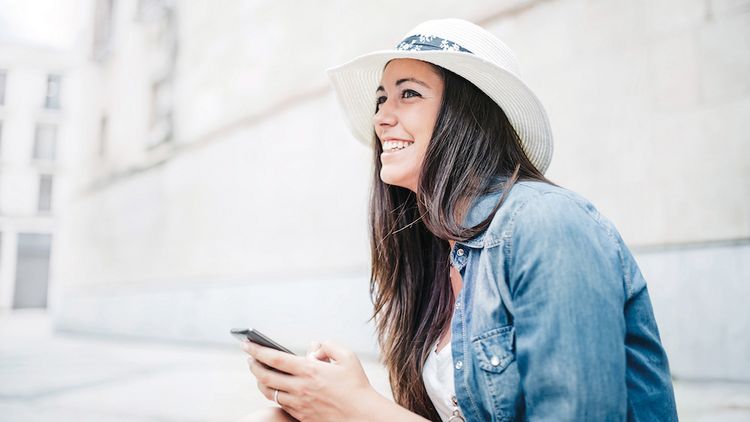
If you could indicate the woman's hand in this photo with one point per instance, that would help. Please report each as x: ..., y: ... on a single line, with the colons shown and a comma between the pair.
x: 327, y: 384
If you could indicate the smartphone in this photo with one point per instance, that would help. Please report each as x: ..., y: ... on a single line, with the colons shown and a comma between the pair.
x: 258, y: 338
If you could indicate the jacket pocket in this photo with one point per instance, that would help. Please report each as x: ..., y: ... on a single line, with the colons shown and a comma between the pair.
x: 498, y: 380
x: 494, y: 349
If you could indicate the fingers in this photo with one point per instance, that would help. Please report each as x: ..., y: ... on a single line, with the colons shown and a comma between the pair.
x: 334, y: 351
x: 271, y: 378
x: 282, y: 361
x: 285, y: 400
x: 314, y: 353
x: 313, y: 347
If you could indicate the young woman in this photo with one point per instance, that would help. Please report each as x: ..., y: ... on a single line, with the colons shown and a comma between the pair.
x: 498, y: 295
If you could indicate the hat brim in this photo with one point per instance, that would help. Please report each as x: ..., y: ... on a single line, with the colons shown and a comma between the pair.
x: 355, y: 83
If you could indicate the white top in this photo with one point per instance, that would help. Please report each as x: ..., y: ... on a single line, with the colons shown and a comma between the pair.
x: 437, y: 375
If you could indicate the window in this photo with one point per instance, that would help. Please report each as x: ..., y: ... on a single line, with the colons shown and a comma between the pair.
x: 103, y: 123
x: 161, y: 112
x: 32, y: 270
x: 150, y: 10
x: 45, y: 193
x: 45, y: 141
x: 3, y: 77
x: 103, y: 28
x: 52, y: 100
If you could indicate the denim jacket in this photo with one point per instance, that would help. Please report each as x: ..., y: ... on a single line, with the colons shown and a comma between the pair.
x: 554, y: 322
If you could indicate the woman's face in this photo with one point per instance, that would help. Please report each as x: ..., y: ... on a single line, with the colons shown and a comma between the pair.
x: 408, y: 101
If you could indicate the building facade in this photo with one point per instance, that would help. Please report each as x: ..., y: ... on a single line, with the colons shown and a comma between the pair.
x: 218, y: 185
x: 33, y: 133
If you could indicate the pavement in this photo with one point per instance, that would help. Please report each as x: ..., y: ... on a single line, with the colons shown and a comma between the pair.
x: 51, y: 376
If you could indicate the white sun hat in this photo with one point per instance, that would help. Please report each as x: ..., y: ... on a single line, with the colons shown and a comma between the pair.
x: 466, y: 50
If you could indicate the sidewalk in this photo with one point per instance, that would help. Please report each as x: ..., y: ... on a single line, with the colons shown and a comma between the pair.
x: 45, y: 376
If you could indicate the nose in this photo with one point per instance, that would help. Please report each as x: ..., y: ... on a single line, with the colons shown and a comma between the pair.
x: 384, y: 117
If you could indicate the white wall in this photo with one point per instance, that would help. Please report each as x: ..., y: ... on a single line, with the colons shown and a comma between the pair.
x: 264, y: 190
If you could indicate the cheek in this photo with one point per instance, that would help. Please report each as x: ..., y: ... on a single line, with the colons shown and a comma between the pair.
x: 426, y: 129
x: 420, y: 152
x: 420, y: 123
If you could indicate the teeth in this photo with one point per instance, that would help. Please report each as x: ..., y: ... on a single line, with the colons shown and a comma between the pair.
x: 395, y: 145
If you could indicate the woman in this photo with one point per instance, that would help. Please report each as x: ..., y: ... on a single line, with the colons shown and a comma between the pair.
x: 498, y: 295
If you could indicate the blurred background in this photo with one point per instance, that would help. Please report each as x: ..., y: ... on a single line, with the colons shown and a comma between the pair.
x: 172, y: 169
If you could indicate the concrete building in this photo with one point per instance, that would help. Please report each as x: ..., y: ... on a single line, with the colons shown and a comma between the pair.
x: 34, y: 132
x: 218, y: 185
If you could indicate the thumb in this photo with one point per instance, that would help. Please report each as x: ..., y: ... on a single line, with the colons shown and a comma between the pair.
x: 312, y: 349
x: 333, y: 351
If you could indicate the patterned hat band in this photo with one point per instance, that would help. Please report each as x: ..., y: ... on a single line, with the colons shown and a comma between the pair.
x: 429, y: 42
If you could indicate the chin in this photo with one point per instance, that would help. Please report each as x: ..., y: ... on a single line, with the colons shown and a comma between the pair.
x: 396, y: 179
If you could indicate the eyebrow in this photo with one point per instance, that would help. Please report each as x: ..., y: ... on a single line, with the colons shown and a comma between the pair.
x: 400, y: 81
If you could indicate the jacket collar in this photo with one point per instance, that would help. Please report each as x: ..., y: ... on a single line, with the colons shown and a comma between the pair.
x: 480, y: 209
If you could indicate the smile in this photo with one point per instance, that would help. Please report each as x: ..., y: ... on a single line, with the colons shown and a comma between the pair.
x: 394, y: 146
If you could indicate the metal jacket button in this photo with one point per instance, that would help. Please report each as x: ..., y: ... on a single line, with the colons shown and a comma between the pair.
x: 459, y: 365
x: 460, y: 252
x: 495, y: 361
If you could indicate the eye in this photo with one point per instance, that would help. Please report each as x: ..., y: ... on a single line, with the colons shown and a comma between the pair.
x: 379, y: 101
x: 409, y: 93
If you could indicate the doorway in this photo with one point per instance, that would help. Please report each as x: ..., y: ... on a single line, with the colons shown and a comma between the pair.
x: 32, y: 270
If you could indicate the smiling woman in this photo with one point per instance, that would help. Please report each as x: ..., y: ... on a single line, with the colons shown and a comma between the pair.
x: 498, y: 295
x: 406, y: 111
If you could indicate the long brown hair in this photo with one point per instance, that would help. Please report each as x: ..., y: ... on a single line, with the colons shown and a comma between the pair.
x: 472, y: 143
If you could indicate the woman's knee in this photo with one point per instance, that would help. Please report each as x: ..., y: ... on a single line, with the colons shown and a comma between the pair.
x: 269, y: 414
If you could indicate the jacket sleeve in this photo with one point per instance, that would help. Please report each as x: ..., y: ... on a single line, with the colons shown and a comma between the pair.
x: 566, y: 283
